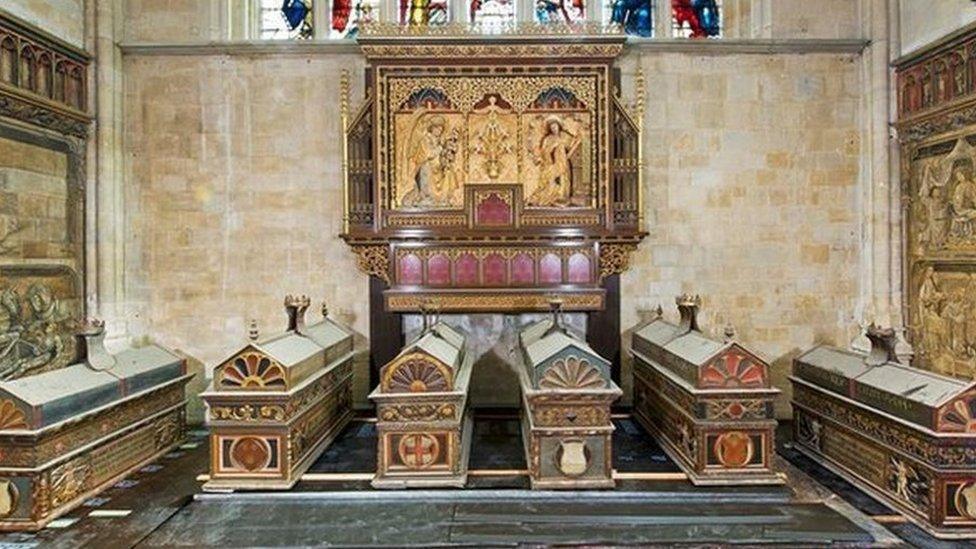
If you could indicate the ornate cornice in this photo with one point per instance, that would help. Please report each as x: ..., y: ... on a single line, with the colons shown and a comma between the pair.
x: 615, y: 259
x: 493, y: 31
x: 950, y: 118
x: 520, y: 41
x: 48, y: 84
x: 373, y: 261
x: 38, y: 113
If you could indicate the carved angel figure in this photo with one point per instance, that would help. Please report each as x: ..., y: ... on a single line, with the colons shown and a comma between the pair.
x: 554, y: 154
x: 431, y: 166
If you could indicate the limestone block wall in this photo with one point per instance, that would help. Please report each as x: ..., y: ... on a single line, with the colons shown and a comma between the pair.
x: 925, y: 22
x: 752, y: 197
x: 233, y: 197
x: 65, y: 19
x: 173, y: 20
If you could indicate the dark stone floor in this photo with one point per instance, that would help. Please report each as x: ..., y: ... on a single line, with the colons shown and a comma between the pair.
x: 499, y: 519
x: 163, y: 512
x: 913, y: 535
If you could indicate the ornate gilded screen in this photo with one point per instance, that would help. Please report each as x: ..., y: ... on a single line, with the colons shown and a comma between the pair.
x: 492, y: 172
x: 937, y: 107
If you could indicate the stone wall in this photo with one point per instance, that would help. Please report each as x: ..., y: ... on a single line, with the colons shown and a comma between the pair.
x: 65, y: 19
x: 751, y: 198
x: 234, y: 195
x: 925, y: 22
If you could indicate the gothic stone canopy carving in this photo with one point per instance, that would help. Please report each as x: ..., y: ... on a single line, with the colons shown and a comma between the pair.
x: 486, y: 175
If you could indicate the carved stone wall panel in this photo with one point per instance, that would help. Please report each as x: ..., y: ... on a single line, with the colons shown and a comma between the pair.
x: 937, y: 128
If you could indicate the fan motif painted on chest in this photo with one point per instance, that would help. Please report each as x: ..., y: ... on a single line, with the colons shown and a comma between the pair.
x: 11, y: 417
x: 253, y: 371
x: 959, y: 416
x: 417, y: 376
x: 733, y: 370
x: 572, y: 373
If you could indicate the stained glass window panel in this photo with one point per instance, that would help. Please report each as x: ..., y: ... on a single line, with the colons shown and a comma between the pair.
x: 696, y: 18
x: 348, y: 15
x: 285, y: 19
x: 424, y: 12
x: 559, y: 11
x: 635, y: 16
x: 492, y: 12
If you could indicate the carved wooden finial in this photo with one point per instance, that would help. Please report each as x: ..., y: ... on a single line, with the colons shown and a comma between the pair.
x: 883, y: 343
x: 425, y: 308
x: 252, y: 330
x: 688, y: 306
x: 556, y: 308
x: 325, y: 310
x: 295, y: 307
x: 658, y: 312
x: 729, y: 332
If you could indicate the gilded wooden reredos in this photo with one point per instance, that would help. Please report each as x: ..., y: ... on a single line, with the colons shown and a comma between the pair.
x: 492, y: 173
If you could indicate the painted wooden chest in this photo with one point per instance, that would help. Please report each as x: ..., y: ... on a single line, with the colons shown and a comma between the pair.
x: 708, y: 403
x: 278, y: 402
x: 566, y: 397
x: 67, y: 434
x: 423, y: 424
x: 906, y: 436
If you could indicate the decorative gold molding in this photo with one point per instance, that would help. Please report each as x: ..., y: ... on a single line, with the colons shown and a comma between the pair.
x: 615, y: 259
x: 504, y: 51
x: 486, y: 300
x: 521, y: 29
x: 373, y: 261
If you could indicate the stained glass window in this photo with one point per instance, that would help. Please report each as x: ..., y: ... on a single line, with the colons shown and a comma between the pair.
x: 635, y: 16
x: 559, y: 11
x: 696, y: 18
x: 423, y: 12
x: 347, y: 15
x: 284, y: 19
x: 492, y: 12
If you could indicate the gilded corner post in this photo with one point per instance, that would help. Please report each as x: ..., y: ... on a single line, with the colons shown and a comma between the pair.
x: 639, y: 111
x: 344, y: 117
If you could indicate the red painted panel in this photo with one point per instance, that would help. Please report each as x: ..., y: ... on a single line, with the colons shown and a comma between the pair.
x: 550, y: 269
x: 410, y: 270
x: 466, y: 270
x: 579, y: 269
x: 493, y: 211
x: 495, y: 270
x: 523, y: 269
x: 439, y: 270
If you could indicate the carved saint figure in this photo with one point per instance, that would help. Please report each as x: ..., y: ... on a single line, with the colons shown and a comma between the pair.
x: 554, y: 155
x: 963, y: 203
x: 431, y: 165
x: 932, y: 212
x: 931, y: 322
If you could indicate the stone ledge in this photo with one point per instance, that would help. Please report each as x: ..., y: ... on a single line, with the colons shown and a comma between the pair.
x: 310, y: 47
x: 750, y: 46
